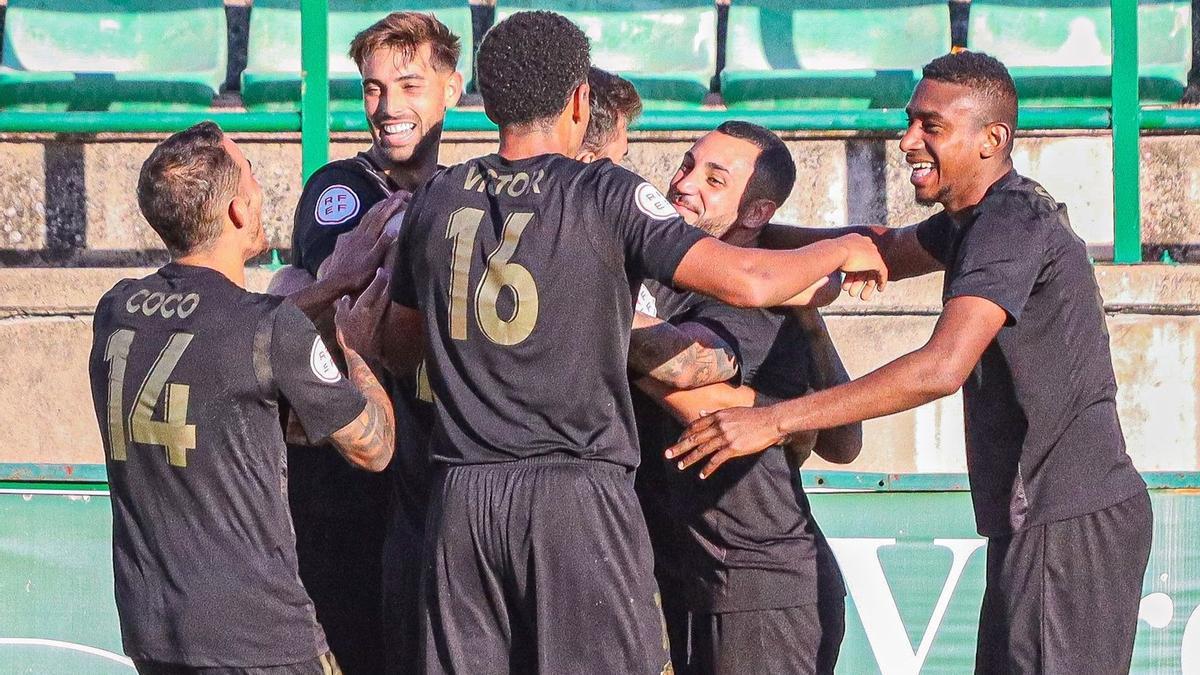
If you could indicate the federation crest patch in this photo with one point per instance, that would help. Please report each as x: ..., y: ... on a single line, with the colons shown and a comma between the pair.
x: 321, y: 362
x: 646, y: 303
x: 336, y: 205
x: 653, y: 203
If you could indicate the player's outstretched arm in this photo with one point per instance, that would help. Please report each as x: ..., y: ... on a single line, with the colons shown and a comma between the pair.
x: 369, y: 440
x: 747, y: 277
x: 689, y: 405
x: 682, y: 357
x: 967, y: 325
x: 899, y: 247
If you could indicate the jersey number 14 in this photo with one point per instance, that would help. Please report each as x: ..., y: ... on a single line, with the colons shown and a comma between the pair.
x: 173, y: 433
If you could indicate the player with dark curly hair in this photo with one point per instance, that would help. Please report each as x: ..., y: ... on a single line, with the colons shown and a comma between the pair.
x: 1023, y: 334
x: 517, y: 271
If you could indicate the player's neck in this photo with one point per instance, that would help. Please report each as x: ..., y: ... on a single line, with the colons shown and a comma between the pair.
x: 412, y: 174
x: 516, y: 145
x: 961, y: 206
x: 233, y: 267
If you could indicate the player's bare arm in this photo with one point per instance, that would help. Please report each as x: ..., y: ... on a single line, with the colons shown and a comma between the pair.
x: 354, y: 261
x: 966, y: 327
x: 747, y: 277
x: 901, y: 252
x: 822, y: 293
x: 841, y: 444
x: 369, y: 440
x: 689, y: 405
x: 682, y: 357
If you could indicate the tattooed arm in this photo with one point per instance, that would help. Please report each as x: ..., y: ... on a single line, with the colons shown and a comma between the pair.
x: 369, y: 440
x: 681, y: 357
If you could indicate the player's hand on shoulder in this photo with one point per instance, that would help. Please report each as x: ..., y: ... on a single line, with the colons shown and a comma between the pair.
x: 359, y: 321
x: 361, y: 251
x: 865, y: 269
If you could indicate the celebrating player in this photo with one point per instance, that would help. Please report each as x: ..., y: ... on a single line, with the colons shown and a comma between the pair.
x: 189, y: 374
x: 615, y: 105
x: 1023, y: 332
x: 739, y: 555
x: 520, y: 265
x: 407, y: 61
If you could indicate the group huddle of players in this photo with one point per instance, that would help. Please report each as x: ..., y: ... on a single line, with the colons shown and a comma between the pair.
x: 591, y: 427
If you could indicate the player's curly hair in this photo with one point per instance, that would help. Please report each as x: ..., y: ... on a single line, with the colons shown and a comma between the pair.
x: 528, y: 65
x: 774, y: 170
x: 983, y: 74
x: 185, y: 186
x: 613, y: 97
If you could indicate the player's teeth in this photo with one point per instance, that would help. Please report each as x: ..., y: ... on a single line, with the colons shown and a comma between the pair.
x: 398, y: 128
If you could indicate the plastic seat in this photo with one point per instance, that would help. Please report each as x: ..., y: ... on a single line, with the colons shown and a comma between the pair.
x: 271, y: 80
x: 830, y: 54
x: 112, y: 54
x: 666, y: 48
x: 1060, y: 51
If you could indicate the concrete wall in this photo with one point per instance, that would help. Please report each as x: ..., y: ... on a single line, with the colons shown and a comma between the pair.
x: 46, y: 412
x: 70, y: 200
x: 69, y: 228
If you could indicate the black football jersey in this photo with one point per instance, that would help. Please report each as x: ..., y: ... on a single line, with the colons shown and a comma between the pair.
x: 188, y: 373
x: 525, y: 271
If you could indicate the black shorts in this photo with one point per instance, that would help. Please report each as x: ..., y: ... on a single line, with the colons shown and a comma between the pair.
x: 792, y: 641
x: 539, y: 566
x: 1063, y: 597
x: 324, y: 664
x: 401, y: 591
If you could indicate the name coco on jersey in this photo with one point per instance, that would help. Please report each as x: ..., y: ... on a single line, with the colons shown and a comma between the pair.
x: 166, y: 305
x: 511, y: 184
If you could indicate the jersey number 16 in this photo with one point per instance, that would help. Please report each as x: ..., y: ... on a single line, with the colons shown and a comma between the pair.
x: 500, y: 273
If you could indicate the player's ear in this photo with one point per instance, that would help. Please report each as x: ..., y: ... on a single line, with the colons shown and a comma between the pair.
x: 453, y: 89
x: 585, y: 156
x: 581, y: 102
x: 758, y: 213
x: 239, y: 212
x: 996, y: 138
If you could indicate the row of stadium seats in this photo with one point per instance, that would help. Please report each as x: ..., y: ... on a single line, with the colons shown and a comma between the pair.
x: 777, y: 54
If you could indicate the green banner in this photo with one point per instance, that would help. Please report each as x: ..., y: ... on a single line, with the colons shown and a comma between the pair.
x: 913, y: 563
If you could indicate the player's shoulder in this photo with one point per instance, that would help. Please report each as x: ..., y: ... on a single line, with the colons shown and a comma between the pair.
x: 1021, y: 198
x: 340, y: 190
x: 619, y: 186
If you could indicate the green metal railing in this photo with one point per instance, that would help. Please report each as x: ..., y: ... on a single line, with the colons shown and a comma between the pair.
x: 315, y: 120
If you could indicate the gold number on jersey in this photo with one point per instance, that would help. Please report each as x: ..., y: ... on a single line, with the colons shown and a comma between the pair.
x: 424, y: 391
x: 174, y: 433
x: 499, y: 273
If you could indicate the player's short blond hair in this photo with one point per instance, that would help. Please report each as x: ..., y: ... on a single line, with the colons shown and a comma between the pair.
x: 405, y: 32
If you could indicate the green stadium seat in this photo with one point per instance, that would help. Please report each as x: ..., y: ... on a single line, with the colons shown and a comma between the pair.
x: 830, y: 54
x: 271, y: 80
x: 1060, y: 51
x: 112, y: 54
x: 666, y: 48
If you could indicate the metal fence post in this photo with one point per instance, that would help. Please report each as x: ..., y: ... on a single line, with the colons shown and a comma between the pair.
x: 314, y: 84
x: 1127, y: 208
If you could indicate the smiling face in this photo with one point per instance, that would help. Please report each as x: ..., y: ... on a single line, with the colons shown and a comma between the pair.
x: 708, y: 187
x: 406, y: 102
x: 949, y: 144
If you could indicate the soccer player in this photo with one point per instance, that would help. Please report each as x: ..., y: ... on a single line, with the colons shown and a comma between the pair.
x: 1066, y: 515
x: 615, y: 105
x: 352, y: 551
x: 516, y: 272
x: 749, y: 583
x: 189, y: 374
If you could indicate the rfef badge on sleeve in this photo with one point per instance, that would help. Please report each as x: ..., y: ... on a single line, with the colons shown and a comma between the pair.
x: 336, y: 205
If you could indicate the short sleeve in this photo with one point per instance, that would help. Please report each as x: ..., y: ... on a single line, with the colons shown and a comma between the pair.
x: 652, y: 234
x: 750, y: 333
x: 333, y: 202
x: 935, y: 235
x: 1001, y: 256
x: 403, y: 289
x: 306, y: 375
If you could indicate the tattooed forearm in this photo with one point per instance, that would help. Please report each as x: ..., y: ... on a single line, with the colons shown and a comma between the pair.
x: 671, y: 356
x: 369, y: 440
